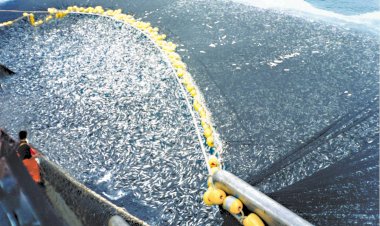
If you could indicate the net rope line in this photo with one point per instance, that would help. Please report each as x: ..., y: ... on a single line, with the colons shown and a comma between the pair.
x: 167, y: 60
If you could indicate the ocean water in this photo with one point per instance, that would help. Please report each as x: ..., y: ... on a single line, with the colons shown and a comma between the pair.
x: 344, y: 7
x: 347, y: 7
x: 362, y: 15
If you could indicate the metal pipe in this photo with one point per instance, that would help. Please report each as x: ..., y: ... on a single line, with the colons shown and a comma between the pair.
x: 269, y: 210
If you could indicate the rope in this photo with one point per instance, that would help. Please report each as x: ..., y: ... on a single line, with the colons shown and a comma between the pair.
x: 21, y: 11
x: 187, y: 102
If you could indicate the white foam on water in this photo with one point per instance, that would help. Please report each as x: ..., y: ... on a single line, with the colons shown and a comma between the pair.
x: 371, y: 20
x: 115, y: 196
x: 4, y: 1
x: 105, y: 178
x: 281, y: 59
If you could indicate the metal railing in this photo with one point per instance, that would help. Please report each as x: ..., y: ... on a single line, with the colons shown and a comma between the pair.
x: 269, y: 210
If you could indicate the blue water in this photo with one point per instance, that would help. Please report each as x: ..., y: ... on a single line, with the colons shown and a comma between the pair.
x: 347, y: 7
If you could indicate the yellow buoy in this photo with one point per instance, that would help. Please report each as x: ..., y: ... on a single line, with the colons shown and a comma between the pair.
x: 38, y: 23
x: 196, y: 105
x: 208, y: 132
x: 31, y: 19
x: 161, y: 37
x: 217, y: 196
x: 174, y: 56
x: 161, y: 43
x: 131, y: 21
x: 150, y: 30
x: 202, y: 113
x: 118, y: 11
x: 177, y: 64
x: 204, y: 124
x: 180, y: 72
x: 186, y: 81
x: 120, y: 17
x: 109, y: 12
x: 99, y: 9
x: 210, y: 141
x: 232, y: 205
x: 213, y: 162
x: 193, y: 93
x: 190, y: 87
x: 172, y: 46
x: 48, y: 18
x: 253, y: 220
x: 206, y: 198
x: 52, y: 10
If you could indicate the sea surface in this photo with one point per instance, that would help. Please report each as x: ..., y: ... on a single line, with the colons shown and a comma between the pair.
x: 363, y: 15
x: 292, y: 86
x: 347, y: 7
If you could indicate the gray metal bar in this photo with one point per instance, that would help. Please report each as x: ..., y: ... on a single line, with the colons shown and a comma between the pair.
x: 269, y: 210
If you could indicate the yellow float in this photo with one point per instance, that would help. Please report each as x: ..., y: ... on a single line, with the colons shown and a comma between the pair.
x: 232, y: 205
x: 253, y: 220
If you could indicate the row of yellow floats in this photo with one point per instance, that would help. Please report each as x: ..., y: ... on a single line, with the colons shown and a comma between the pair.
x: 212, y: 196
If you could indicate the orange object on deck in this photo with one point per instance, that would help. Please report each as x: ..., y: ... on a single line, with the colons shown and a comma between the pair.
x: 32, y: 166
